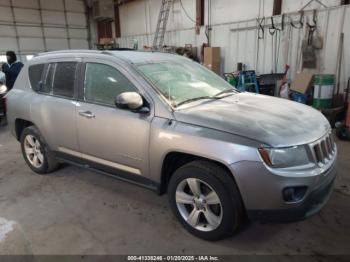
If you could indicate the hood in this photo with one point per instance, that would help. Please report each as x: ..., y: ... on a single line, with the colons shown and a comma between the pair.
x: 274, y: 121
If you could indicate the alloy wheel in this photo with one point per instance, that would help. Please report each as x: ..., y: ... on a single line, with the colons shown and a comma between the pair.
x: 199, y: 204
x: 33, y: 151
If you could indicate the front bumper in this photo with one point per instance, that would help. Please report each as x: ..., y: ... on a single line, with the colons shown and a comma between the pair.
x: 261, y: 192
x: 315, y: 201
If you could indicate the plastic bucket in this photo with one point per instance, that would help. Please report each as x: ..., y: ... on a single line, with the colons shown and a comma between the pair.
x: 300, y: 98
x: 323, y: 91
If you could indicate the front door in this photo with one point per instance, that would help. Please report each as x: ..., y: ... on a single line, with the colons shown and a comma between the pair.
x: 111, y: 139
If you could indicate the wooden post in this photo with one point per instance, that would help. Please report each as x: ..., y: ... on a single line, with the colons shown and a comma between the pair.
x: 199, y: 15
x: 277, y: 7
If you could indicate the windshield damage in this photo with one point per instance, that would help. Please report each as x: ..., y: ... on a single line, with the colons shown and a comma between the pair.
x: 183, y: 83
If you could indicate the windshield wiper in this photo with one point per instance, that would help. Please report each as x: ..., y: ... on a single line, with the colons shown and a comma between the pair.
x: 229, y: 90
x: 217, y: 96
x: 194, y: 99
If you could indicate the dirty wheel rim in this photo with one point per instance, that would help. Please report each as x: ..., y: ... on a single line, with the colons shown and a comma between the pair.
x: 32, y: 148
x: 199, y: 204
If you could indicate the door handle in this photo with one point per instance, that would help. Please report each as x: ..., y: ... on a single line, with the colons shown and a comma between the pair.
x: 86, y: 114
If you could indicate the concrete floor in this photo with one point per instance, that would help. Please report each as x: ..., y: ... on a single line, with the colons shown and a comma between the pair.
x: 74, y: 211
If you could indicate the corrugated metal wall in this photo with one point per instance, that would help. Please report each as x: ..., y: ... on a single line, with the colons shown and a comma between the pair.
x: 239, y: 39
x: 240, y: 43
x: 31, y: 26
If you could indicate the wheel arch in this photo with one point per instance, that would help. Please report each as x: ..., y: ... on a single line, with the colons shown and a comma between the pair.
x: 20, y: 125
x: 175, y: 159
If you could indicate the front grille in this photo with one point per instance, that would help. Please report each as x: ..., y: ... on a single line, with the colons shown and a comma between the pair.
x: 324, y: 149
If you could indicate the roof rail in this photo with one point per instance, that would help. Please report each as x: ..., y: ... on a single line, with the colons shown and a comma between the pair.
x: 72, y: 51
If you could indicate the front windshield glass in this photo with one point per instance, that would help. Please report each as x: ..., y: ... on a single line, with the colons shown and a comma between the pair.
x: 184, y: 82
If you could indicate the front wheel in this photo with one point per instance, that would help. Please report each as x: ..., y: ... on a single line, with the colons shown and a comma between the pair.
x: 205, y: 200
x: 343, y: 133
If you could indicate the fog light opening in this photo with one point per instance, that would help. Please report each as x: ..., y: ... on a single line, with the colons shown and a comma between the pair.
x: 294, y: 194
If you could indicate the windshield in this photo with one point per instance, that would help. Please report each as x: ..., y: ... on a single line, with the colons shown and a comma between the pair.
x: 185, y: 82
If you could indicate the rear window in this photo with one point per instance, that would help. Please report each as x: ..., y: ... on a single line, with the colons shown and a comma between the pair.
x: 59, y: 79
x: 46, y: 87
x: 35, y: 74
x: 64, y: 79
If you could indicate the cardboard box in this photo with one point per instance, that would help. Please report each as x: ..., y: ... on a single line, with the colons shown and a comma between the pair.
x: 212, y: 58
x: 216, y: 68
x: 302, y: 82
x: 212, y: 55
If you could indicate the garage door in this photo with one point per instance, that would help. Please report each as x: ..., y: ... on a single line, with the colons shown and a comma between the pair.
x: 32, y: 26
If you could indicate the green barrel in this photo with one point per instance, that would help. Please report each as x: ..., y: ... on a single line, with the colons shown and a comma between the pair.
x: 323, y: 91
x: 231, y: 79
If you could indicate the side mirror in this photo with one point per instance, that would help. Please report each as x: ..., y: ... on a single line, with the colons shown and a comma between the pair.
x: 132, y: 101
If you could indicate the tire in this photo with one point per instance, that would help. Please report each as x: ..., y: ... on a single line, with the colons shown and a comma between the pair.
x: 47, y: 163
x: 342, y: 133
x: 228, y: 214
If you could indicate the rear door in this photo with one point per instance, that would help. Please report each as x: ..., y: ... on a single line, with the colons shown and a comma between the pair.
x: 55, y: 106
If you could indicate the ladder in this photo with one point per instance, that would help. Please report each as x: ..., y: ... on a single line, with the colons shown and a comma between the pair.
x: 158, y: 40
x: 248, y: 82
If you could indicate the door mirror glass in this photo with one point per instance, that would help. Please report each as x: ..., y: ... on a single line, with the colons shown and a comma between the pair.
x: 129, y: 100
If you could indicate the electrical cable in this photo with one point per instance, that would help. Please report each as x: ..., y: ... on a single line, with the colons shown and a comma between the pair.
x: 208, y: 27
x: 272, y: 53
x: 300, y: 23
x: 275, y: 33
x: 278, y: 50
x: 261, y: 30
x: 311, y: 1
x: 183, y: 8
x: 312, y: 28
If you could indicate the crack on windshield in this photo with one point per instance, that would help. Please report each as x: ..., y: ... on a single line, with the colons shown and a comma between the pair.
x: 182, y: 83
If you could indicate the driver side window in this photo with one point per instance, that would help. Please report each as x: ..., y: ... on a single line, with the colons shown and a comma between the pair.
x: 103, y: 83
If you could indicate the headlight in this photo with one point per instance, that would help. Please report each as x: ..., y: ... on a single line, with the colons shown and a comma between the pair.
x: 285, y: 157
x: 3, y: 89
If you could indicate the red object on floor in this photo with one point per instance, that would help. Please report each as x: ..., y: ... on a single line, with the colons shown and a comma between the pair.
x: 347, y: 122
x: 284, y: 79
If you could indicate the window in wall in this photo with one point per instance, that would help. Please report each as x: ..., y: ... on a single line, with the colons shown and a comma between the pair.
x: 117, y: 20
x: 104, y: 29
x: 103, y: 83
x: 29, y: 57
x: 3, y: 58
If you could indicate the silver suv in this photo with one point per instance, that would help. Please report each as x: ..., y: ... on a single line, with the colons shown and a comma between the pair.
x: 168, y: 124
